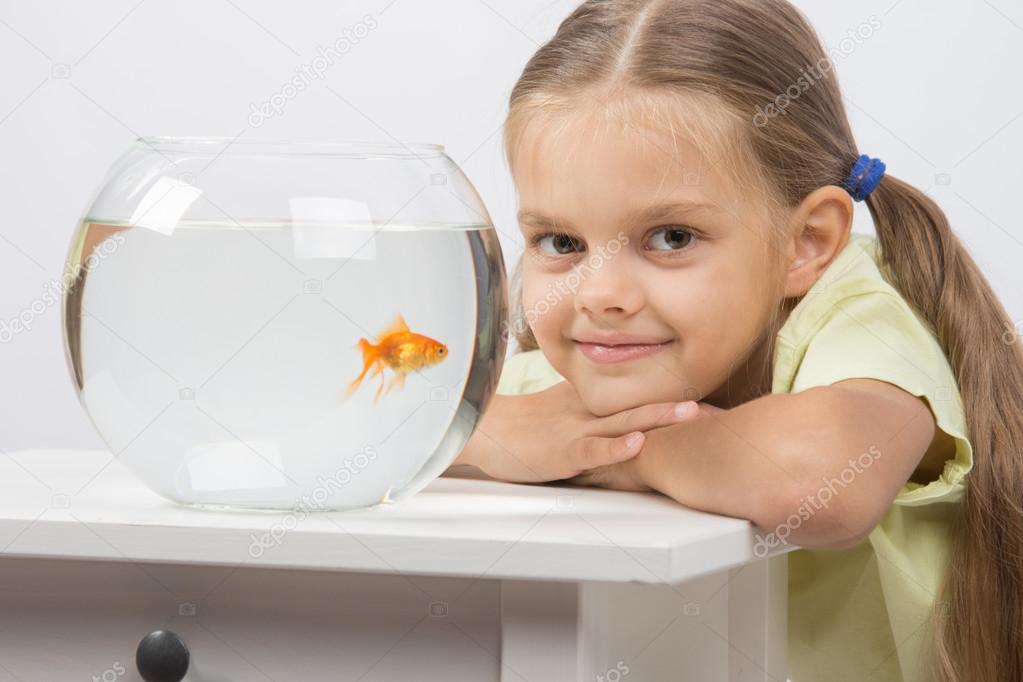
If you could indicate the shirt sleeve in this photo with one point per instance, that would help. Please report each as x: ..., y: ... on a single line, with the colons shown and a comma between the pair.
x: 876, y: 335
x: 527, y: 372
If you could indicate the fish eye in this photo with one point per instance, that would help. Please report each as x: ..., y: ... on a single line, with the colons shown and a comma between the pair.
x: 440, y: 351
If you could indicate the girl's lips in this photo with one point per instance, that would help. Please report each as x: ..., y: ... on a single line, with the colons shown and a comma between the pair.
x: 603, y: 353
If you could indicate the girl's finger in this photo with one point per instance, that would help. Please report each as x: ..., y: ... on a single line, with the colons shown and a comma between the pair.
x: 646, y: 417
x: 593, y: 451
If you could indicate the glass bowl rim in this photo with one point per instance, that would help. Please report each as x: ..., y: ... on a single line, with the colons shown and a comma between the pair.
x: 333, y: 146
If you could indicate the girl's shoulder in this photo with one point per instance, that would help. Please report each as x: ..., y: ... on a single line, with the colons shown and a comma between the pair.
x: 854, y: 324
x: 853, y: 283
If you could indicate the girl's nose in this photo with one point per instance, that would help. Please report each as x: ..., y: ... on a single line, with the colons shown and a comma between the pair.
x: 609, y: 290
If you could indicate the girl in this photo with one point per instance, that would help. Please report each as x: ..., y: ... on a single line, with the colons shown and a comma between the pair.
x: 697, y: 319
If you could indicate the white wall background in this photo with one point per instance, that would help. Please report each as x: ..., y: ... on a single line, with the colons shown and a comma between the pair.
x: 934, y: 92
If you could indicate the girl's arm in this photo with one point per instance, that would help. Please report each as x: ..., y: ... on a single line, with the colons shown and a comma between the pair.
x: 833, y: 456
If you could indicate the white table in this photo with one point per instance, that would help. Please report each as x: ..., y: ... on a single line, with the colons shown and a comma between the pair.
x: 471, y: 579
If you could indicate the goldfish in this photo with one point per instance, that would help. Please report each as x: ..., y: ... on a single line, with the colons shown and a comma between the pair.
x: 401, y: 350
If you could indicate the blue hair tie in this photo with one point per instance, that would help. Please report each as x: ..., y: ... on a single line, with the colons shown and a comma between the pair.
x: 863, y: 178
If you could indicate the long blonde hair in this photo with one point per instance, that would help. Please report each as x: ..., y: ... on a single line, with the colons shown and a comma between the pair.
x: 741, y: 56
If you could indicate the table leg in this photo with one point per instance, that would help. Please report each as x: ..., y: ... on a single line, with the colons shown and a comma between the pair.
x: 539, y: 631
x: 728, y: 626
x: 758, y: 621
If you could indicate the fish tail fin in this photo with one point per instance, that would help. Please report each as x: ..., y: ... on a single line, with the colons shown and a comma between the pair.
x: 369, y: 356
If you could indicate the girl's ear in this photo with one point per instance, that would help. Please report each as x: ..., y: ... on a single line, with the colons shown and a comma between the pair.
x: 819, y: 230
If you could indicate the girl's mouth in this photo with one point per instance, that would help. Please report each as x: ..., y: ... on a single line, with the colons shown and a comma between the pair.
x: 598, y: 352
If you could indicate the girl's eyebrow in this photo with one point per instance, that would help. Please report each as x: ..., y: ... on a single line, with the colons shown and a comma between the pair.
x: 648, y: 214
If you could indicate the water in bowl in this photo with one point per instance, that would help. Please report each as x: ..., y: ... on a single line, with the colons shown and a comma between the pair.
x: 213, y: 357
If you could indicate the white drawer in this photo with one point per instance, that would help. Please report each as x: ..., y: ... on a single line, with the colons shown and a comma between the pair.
x: 63, y: 620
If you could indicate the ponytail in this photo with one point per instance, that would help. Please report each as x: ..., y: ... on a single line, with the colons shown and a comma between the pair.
x: 979, y: 613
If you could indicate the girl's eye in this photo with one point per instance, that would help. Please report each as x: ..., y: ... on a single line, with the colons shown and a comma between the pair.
x: 670, y: 239
x: 557, y: 244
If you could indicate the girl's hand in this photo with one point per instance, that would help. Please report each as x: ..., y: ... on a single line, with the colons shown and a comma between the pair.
x: 550, y: 436
x: 625, y: 475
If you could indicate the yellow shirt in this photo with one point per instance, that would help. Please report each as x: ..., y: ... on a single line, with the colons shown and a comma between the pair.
x: 861, y: 614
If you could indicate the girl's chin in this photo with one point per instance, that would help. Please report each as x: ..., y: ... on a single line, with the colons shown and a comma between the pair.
x: 603, y: 401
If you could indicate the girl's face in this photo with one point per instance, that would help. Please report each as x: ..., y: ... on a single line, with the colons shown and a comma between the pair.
x: 646, y: 276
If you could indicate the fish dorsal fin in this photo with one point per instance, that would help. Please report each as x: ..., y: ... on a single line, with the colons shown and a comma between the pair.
x: 398, y: 326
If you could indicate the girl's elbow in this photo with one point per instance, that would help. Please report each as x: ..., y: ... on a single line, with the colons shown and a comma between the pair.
x: 801, y: 518
x: 797, y: 515
x: 808, y: 505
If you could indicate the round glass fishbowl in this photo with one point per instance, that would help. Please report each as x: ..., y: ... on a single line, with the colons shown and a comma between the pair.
x: 285, y: 324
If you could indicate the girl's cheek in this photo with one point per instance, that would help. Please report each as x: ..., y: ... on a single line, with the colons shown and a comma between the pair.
x: 542, y: 304
x: 530, y: 302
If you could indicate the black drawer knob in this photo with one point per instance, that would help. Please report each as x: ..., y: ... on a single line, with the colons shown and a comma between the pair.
x: 162, y: 657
